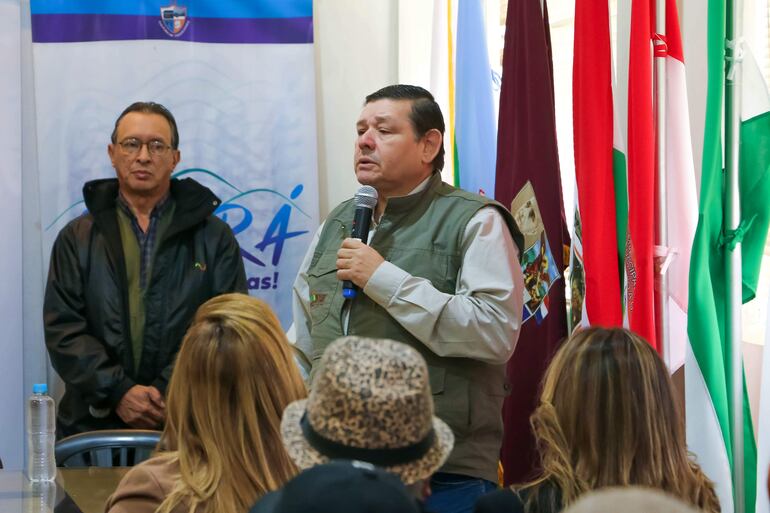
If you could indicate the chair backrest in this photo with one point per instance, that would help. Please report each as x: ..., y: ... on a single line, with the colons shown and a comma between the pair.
x: 106, y: 448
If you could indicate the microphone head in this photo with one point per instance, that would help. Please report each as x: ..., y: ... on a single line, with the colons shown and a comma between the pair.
x: 366, y: 197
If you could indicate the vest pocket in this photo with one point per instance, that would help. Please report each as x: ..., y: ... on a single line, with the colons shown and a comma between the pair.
x: 324, y: 287
x: 451, y: 399
x: 486, y: 408
x: 439, y: 268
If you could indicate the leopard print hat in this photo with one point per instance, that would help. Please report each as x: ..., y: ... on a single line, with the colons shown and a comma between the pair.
x: 370, y: 401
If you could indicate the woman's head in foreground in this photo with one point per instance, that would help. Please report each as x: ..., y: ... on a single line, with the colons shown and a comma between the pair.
x: 608, y: 417
x: 233, y: 376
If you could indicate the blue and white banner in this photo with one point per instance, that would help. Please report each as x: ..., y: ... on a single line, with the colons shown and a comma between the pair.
x: 237, y: 75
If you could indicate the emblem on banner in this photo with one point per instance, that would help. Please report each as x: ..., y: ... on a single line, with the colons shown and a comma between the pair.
x: 173, y: 20
x: 537, y: 262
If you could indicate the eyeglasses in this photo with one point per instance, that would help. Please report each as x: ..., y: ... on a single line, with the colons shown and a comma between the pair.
x: 156, y: 148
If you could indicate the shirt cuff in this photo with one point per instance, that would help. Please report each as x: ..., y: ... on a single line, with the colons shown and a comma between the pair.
x: 384, y: 283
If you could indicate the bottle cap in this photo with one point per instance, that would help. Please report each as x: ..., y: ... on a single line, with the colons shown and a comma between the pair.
x: 39, y: 388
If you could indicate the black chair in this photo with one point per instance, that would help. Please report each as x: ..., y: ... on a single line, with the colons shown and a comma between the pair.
x: 106, y: 448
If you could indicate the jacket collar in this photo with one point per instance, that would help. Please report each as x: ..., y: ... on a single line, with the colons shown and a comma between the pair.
x: 407, y: 203
x: 192, y: 200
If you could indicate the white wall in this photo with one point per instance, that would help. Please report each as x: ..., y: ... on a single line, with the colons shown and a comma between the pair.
x: 356, y: 54
x: 414, y: 40
x: 11, y: 362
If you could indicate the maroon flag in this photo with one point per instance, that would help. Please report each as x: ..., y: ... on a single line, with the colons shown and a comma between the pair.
x: 528, y: 182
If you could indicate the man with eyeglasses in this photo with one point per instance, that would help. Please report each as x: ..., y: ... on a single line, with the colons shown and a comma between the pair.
x: 126, y: 278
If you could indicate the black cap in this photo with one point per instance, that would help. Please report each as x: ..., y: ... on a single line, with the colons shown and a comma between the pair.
x: 340, y: 487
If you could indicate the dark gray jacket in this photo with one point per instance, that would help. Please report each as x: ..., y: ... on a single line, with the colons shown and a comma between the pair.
x: 85, y: 312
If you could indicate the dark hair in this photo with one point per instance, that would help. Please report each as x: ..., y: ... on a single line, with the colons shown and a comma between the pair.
x: 149, y: 108
x: 426, y: 114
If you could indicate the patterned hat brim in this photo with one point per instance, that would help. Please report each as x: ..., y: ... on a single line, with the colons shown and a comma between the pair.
x: 306, y: 456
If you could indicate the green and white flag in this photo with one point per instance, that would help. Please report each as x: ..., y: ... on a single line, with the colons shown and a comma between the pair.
x: 708, y: 373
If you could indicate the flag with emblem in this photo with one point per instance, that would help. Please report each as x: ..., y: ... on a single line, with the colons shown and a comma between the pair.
x: 596, y: 256
x: 639, y: 297
x: 528, y: 182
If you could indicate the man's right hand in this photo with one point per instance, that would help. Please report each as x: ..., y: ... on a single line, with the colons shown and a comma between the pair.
x: 142, y: 407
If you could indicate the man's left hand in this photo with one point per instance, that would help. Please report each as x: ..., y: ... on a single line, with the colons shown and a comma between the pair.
x: 357, y: 262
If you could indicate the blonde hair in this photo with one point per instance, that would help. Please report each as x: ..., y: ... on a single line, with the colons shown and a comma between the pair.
x: 607, y: 417
x: 233, y: 377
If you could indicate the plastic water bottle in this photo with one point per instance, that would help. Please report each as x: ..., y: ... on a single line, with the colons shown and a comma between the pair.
x: 41, y: 497
x: 41, y: 434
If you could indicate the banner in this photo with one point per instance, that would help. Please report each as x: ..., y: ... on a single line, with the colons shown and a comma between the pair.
x: 238, y: 77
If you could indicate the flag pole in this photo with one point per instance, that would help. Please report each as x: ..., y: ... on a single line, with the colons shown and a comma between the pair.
x: 661, y: 297
x: 732, y: 219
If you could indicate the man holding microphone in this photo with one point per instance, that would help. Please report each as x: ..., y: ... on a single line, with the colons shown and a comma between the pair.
x: 440, y: 272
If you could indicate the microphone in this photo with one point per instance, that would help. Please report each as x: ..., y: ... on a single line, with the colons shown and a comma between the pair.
x: 366, y: 200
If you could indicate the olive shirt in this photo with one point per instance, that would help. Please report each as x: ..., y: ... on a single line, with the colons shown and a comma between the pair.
x: 138, y: 252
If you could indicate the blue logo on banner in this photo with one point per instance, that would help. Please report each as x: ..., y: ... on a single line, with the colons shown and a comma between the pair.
x: 173, y: 20
x: 274, y: 238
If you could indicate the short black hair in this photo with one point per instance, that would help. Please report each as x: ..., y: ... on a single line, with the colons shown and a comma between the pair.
x: 149, y: 108
x: 426, y: 114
